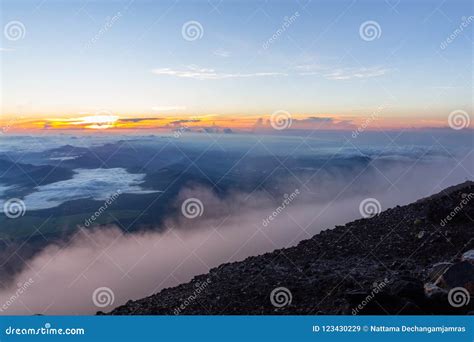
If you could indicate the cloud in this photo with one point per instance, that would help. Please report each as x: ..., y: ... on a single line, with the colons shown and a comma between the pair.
x: 197, y: 73
x: 6, y: 49
x: 317, y: 119
x: 221, y: 53
x: 139, y: 264
x: 178, y: 122
x: 309, y: 68
x: 356, y: 73
x: 96, y: 184
x: 322, y: 123
x: 306, y: 124
x: 136, y: 120
x: 341, y: 73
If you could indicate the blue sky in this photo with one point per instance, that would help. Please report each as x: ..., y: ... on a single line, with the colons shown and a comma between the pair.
x: 318, y: 64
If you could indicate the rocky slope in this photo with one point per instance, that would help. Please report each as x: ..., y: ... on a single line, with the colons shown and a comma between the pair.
x: 406, y: 260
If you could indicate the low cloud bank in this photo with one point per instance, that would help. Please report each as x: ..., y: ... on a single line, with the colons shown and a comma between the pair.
x: 101, y: 184
x: 65, y: 279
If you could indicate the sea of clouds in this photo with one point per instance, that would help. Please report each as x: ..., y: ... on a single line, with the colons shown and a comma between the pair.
x: 65, y: 276
x: 97, y: 184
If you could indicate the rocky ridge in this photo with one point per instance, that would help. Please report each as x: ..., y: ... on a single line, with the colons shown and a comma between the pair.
x: 409, y: 259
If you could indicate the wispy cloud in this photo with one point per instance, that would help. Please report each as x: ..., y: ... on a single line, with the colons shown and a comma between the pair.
x: 321, y: 123
x: 309, y: 69
x: 136, y: 120
x: 330, y: 73
x: 354, y: 73
x: 194, y: 72
x: 6, y: 49
x: 182, y: 121
x: 221, y: 53
x: 343, y: 73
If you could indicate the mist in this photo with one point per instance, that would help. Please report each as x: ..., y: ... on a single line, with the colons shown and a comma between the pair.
x: 64, y: 277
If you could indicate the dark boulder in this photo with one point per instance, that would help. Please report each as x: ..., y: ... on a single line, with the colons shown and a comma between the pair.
x: 460, y: 274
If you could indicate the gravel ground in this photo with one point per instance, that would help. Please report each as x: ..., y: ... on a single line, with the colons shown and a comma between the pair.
x: 402, y: 261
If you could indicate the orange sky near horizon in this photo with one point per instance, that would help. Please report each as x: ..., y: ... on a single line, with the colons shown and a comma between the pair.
x: 107, y: 121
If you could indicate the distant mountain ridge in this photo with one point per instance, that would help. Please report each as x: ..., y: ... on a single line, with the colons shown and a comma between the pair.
x: 402, y: 261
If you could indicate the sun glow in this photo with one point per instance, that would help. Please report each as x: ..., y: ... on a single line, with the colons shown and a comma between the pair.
x: 100, y: 121
x: 104, y: 120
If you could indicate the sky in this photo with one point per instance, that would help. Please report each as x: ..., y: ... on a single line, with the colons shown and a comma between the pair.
x: 148, y: 64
